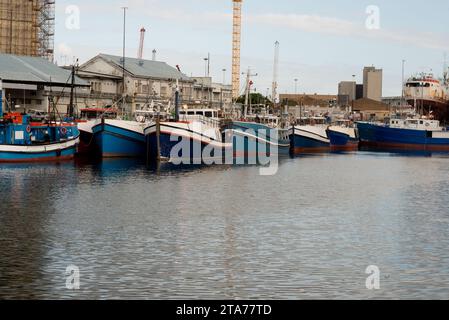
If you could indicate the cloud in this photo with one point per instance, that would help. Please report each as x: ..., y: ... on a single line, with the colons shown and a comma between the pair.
x: 345, y: 28
x: 304, y: 22
x: 64, y: 50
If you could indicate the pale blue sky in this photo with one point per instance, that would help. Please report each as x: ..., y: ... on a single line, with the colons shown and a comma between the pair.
x: 322, y: 42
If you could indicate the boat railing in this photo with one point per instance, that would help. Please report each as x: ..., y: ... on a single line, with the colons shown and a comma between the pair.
x: 211, y: 122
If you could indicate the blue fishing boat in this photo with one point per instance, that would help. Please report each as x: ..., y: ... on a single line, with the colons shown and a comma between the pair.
x: 24, y: 141
x: 408, y: 134
x: 117, y: 138
x: 196, y: 138
x: 343, y: 138
x: 309, y: 139
x: 261, y: 138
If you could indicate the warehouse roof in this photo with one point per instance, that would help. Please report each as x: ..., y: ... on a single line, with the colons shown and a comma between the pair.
x: 366, y: 104
x: 147, y: 68
x: 34, y: 70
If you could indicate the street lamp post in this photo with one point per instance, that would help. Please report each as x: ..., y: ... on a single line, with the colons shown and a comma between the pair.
x: 206, y: 61
x: 224, y: 76
x: 124, y: 58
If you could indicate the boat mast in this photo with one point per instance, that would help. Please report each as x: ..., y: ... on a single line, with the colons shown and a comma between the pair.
x: 71, y: 110
x: 403, y: 84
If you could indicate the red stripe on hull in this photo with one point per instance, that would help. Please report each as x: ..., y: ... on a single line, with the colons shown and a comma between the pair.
x: 118, y: 155
x: 241, y: 154
x: 406, y: 146
x: 42, y: 160
x: 348, y: 147
x: 311, y: 150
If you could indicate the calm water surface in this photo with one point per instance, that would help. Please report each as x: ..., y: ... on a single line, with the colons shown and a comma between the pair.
x: 227, y: 233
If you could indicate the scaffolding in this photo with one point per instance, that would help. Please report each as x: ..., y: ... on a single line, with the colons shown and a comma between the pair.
x: 27, y: 27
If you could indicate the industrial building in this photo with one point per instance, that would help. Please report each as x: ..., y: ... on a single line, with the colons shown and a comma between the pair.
x: 211, y: 94
x: 346, y: 92
x: 371, y: 110
x: 30, y: 83
x: 27, y: 27
x: 146, y: 81
x: 321, y: 100
x: 372, y: 83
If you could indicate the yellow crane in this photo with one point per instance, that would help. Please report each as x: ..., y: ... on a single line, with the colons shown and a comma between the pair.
x: 236, y: 43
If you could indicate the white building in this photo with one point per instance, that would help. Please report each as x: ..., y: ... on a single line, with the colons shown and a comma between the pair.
x: 210, y: 94
x: 145, y: 81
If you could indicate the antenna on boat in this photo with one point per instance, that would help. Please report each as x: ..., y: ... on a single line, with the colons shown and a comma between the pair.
x: 445, y: 69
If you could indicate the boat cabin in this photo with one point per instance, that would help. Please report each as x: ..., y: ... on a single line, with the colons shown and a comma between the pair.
x: 417, y: 124
x: 207, y: 113
x: 312, y: 121
x: 96, y: 113
x: 270, y: 120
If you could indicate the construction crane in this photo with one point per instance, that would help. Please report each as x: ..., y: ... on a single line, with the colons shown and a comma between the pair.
x: 274, y: 94
x: 142, y: 41
x: 236, y: 43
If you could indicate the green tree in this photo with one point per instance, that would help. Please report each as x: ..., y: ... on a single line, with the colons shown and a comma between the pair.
x: 255, y: 98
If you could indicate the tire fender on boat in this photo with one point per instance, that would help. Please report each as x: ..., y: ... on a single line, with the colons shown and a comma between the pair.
x: 63, y: 130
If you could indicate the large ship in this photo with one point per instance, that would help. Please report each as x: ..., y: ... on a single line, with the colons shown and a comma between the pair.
x: 429, y: 95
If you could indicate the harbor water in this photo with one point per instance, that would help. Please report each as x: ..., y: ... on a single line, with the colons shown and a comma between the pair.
x: 222, y: 232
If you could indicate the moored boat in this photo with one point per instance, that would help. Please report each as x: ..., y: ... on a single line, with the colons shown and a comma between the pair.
x: 309, y: 139
x: 195, y: 139
x: 88, y: 119
x: 409, y: 134
x: 343, y: 138
x: 118, y: 138
x: 263, y: 137
x: 24, y: 141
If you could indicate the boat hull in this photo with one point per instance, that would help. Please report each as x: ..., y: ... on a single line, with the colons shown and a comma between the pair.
x: 39, y: 153
x: 253, y: 140
x: 114, y: 140
x: 342, y: 141
x: 184, y: 143
x: 379, y: 136
x: 307, y: 140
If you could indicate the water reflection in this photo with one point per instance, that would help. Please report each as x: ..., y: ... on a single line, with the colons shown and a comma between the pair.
x: 310, y: 231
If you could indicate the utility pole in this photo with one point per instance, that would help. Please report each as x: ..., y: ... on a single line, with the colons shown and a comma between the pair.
x: 275, y: 73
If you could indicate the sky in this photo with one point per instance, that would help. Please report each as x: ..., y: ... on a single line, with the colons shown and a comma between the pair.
x: 321, y: 42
